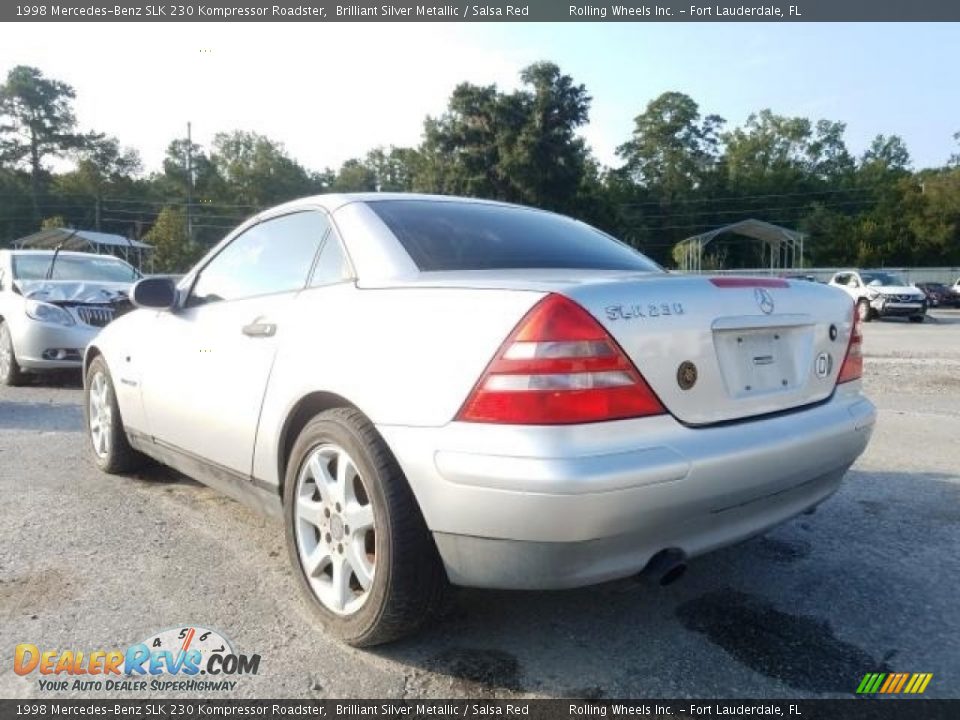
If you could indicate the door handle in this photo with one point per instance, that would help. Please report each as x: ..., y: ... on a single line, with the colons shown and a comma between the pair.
x: 260, y: 329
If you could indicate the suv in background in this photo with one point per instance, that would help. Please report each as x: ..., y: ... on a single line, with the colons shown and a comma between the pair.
x: 879, y: 293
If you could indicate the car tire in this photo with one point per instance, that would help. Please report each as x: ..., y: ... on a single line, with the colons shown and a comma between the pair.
x: 10, y: 373
x: 111, y: 450
x: 371, y: 583
x: 917, y: 318
x: 865, y: 311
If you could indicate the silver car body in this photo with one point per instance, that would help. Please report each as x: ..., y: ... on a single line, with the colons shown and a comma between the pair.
x: 40, y: 345
x: 509, y: 506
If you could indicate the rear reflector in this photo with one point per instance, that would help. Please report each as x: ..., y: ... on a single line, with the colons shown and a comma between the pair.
x: 852, y: 368
x: 745, y: 282
x: 559, y: 366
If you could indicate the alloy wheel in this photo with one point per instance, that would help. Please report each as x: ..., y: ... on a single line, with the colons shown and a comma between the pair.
x: 335, y: 529
x: 6, y: 350
x: 101, y: 414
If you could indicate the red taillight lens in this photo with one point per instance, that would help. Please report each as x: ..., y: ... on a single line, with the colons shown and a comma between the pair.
x: 559, y: 366
x: 853, y: 363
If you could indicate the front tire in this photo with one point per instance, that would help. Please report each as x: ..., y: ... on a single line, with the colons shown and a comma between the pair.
x: 108, y: 439
x: 361, y: 550
x: 864, y: 311
x: 10, y: 373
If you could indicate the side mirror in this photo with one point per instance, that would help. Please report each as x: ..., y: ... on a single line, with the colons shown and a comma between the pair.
x: 156, y: 293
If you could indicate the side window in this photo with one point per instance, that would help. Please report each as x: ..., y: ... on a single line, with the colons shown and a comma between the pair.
x: 274, y: 256
x: 332, y: 266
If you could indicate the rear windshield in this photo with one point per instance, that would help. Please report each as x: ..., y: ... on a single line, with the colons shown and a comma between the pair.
x: 477, y: 236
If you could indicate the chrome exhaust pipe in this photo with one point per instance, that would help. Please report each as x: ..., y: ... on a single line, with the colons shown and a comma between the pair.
x: 666, y: 567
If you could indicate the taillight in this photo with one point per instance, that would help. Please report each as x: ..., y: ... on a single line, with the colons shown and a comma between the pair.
x: 852, y: 368
x: 559, y: 366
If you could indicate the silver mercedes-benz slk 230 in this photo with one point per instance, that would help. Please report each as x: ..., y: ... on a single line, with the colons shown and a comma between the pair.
x: 432, y: 389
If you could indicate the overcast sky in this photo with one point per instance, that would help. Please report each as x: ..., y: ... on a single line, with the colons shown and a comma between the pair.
x: 332, y: 91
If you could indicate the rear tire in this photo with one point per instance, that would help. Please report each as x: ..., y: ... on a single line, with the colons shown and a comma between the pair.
x: 864, y: 311
x: 10, y: 373
x: 108, y: 439
x: 380, y: 579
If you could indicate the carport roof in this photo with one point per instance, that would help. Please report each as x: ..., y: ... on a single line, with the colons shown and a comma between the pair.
x: 77, y: 240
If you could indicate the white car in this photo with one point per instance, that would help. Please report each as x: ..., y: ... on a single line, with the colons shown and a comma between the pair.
x: 879, y: 293
x: 433, y: 389
x: 52, y: 304
x: 955, y: 291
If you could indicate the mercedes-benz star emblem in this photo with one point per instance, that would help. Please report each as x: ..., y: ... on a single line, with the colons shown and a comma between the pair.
x: 764, y: 300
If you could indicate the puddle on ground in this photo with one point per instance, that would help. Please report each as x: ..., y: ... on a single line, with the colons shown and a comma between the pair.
x: 798, y: 650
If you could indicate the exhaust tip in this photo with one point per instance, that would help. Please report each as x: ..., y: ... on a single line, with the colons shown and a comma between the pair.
x: 673, y: 574
x: 666, y: 567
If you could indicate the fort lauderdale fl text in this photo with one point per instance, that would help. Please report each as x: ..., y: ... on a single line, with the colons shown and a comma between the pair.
x: 700, y: 11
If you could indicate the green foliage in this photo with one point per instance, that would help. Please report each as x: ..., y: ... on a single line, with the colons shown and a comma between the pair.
x: 36, y: 122
x: 520, y: 146
x: 172, y: 251
x: 683, y: 172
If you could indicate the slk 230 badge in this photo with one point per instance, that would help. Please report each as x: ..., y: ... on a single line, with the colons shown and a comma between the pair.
x: 649, y: 310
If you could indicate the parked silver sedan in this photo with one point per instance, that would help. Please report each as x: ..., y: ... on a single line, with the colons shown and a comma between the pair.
x: 433, y: 389
x: 52, y: 304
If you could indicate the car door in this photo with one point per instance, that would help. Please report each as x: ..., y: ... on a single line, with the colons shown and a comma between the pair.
x: 203, y: 386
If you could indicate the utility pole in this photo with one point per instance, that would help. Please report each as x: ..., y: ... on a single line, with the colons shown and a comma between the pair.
x: 189, y: 185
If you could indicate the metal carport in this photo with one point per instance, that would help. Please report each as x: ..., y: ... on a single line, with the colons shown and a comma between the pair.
x: 86, y: 241
x: 783, y: 247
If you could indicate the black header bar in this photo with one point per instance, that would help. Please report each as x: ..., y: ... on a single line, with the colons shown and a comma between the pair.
x: 493, y: 709
x: 638, y: 11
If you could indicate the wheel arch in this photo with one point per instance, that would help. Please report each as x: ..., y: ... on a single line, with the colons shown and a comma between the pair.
x: 303, y: 410
x: 89, y: 355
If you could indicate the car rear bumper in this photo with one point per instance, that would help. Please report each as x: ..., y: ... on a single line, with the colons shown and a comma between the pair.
x: 550, y: 507
x: 37, y: 345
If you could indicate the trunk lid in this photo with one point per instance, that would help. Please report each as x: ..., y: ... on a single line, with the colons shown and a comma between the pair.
x: 720, y: 349
x: 749, y: 357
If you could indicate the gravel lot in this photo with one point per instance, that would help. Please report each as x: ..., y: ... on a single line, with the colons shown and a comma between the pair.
x: 868, y: 583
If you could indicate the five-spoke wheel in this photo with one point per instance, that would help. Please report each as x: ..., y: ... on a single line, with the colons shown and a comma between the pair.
x: 336, y: 531
x: 365, y: 559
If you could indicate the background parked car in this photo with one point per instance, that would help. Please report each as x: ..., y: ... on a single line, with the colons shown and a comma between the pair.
x: 938, y: 294
x: 955, y: 292
x: 882, y: 294
x: 52, y: 304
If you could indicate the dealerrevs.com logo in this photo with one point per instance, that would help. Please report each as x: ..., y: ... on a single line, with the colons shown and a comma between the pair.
x: 190, y: 658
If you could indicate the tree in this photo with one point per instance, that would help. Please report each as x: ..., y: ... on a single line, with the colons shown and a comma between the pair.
x: 461, y: 149
x: 102, y: 167
x: 672, y: 149
x: 355, y: 176
x: 257, y: 171
x: 393, y: 168
x: 36, y: 122
x: 172, y: 250
x: 520, y: 146
x: 886, y: 155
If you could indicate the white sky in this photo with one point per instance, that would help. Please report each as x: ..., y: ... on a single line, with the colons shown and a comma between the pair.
x: 333, y: 91
x: 328, y: 92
